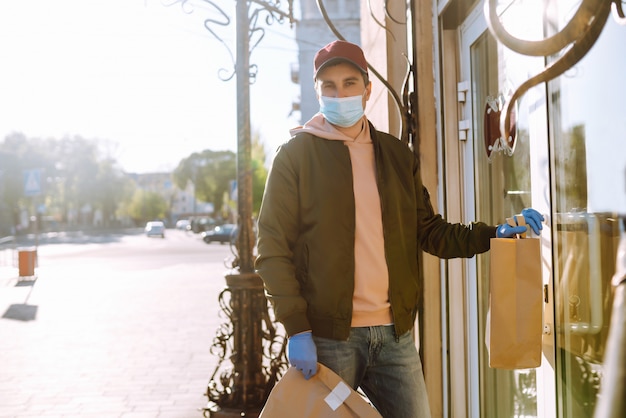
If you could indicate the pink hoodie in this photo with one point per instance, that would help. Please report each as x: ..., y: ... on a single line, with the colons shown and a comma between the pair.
x: 370, y: 301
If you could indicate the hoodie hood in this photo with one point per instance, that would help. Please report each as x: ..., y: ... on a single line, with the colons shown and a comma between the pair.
x: 320, y: 127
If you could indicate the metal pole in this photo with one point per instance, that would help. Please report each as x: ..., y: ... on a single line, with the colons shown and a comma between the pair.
x: 244, y: 166
x: 251, y: 350
x: 244, y: 387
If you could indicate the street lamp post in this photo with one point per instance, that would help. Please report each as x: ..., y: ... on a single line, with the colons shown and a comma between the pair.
x: 250, y: 350
x: 244, y: 167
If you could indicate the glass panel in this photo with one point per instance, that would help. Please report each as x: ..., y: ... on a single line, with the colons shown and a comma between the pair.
x: 503, y: 188
x: 589, y: 171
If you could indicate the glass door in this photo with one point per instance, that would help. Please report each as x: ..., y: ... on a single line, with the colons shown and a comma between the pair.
x: 587, y: 139
x: 573, y: 169
x: 508, y: 177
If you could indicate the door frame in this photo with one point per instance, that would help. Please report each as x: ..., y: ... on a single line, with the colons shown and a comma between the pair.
x: 469, y: 31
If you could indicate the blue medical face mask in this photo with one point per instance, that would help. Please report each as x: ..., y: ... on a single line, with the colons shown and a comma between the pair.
x: 344, y: 111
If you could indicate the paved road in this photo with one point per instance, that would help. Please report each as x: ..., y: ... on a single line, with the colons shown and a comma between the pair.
x: 115, y: 327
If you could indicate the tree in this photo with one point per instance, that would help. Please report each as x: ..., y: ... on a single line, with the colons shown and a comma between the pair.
x: 113, y: 187
x: 17, y: 154
x: 210, y: 172
x: 77, y: 165
x: 11, y: 191
x: 146, y: 205
x: 259, y: 172
x: 73, y: 176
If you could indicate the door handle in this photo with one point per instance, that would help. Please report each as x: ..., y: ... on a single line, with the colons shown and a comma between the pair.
x: 581, y: 222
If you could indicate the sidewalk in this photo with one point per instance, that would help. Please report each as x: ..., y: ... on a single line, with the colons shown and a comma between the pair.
x: 97, y: 345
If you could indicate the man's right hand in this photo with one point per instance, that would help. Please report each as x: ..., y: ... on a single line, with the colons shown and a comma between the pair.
x: 302, y: 353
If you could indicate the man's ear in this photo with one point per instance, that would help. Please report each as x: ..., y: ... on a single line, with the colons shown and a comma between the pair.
x: 368, y: 91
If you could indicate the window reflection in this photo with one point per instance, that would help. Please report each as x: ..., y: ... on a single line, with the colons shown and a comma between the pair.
x: 589, y: 187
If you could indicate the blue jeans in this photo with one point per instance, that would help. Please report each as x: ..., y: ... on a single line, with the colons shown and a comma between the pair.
x: 388, y: 371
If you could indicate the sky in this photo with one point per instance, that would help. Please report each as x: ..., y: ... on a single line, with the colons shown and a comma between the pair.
x: 141, y: 77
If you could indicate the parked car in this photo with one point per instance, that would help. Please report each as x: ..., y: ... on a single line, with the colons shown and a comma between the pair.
x: 221, y: 233
x: 183, y: 224
x: 155, y: 229
x: 201, y: 224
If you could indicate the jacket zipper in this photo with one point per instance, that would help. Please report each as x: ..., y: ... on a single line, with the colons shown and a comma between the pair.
x: 379, y: 187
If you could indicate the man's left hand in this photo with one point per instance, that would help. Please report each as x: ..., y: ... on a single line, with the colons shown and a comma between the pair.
x: 533, y: 220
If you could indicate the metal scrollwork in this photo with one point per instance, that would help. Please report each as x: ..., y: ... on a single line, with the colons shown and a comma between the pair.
x: 256, y: 33
x: 209, y: 25
x: 183, y: 3
x: 619, y: 11
x: 238, y: 384
x: 378, y: 22
x: 250, y: 350
x: 579, y: 34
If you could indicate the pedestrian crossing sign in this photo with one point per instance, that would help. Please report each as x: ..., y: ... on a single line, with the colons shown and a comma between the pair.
x: 32, y: 182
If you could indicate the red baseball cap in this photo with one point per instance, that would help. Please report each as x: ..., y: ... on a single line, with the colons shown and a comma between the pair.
x: 339, y: 51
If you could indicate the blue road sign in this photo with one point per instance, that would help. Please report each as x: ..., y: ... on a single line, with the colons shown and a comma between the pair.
x: 32, y: 182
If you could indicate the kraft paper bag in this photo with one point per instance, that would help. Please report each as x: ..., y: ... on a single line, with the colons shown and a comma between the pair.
x: 514, y: 320
x: 324, y: 395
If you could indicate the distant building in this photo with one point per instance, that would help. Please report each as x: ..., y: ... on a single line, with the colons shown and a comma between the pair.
x: 182, y: 203
x: 312, y: 33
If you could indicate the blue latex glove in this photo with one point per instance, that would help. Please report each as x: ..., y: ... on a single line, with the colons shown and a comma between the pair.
x: 533, y: 220
x: 302, y: 353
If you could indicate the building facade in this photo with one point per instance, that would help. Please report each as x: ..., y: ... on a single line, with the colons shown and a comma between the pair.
x: 471, y: 62
x: 312, y: 33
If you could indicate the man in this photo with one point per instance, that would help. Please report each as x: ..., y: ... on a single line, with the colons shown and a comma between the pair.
x: 343, y: 219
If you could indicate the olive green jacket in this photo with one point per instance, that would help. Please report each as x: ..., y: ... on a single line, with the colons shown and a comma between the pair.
x: 306, y: 232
